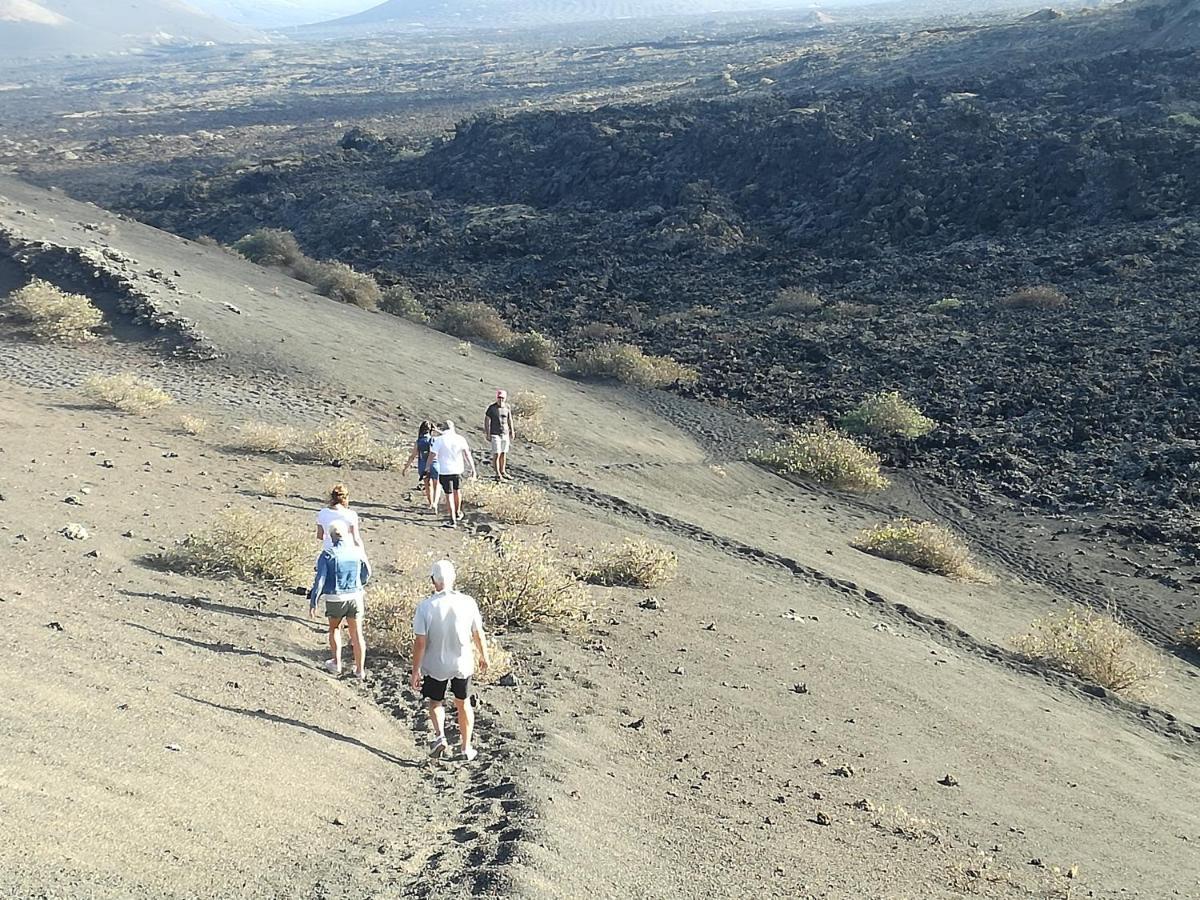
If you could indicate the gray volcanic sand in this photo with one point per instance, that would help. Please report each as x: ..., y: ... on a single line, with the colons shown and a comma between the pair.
x: 176, y: 736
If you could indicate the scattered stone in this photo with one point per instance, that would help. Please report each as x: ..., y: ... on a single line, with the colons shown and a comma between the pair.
x: 174, y: 748
x: 949, y: 781
x: 865, y: 805
x: 72, y: 501
x: 650, y: 603
x: 338, y: 821
x: 92, y: 554
x: 800, y: 688
x: 843, y: 772
x: 678, y: 670
x: 75, y: 532
x: 637, y: 723
x: 508, y: 679
x: 108, y: 464
x: 55, y: 626
x: 822, y: 819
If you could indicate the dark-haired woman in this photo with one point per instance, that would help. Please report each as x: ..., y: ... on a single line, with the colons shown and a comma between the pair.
x: 420, y: 455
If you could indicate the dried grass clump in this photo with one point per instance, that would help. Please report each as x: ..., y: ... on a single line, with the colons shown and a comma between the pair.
x: 1095, y: 647
x: 923, y: 545
x: 534, y: 349
x: 475, y: 321
x: 261, y: 437
x: 794, y: 302
x: 399, y: 300
x: 273, y: 484
x: 1189, y: 635
x: 270, y: 247
x: 826, y: 456
x: 630, y: 365
x: 528, y: 409
x: 945, y: 306
x: 519, y: 583
x: 51, y: 314
x: 128, y: 393
x: 339, y: 282
x: 463, y: 348
x: 634, y: 563
x: 248, y: 544
x: 1038, y: 296
x: 510, y: 504
x: 345, y: 443
x: 888, y: 414
x: 193, y: 425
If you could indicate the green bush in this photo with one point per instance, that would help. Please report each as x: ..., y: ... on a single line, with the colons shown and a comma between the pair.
x: 887, y: 414
x: 826, y: 456
x: 399, y: 300
x: 270, y: 247
x: 51, y: 314
x: 339, y: 282
x: 534, y: 349
x: 474, y: 321
x: 630, y: 365
x: 945, y: 306
x: 923, y: 545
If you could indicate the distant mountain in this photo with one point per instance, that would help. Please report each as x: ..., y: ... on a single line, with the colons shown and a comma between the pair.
x: 36, y: 28
x: 493, y: 13
x: 280, y: 13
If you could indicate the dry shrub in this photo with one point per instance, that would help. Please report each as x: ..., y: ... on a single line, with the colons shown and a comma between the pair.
x: 519, y: 583
x: 629, y: 365
x: 1095, y: 647
x: 846, y: 310
x: 599, y: 332
x: 273, y: 484
x: 634, y: 563
x: 399, y: 300
x: 270, y: 247
x: 339, y: 282
x: 1038, y: 296
x: 463, y: 348
x: 249, y: 544
x: 887, y: 414
x: 511, y: 504
x: 476, y: 321
x: 193, y: 425
x: 343, y: 442
x: 51, y: 314
x: 261, y: 437
x: 528, y: 408
x: 945, y: 306
x: 534, y: 349
x: 923, y: 545
x: 1189, y: 635
x: 794, y: 301
x: 826, y: 456
x: 539, y: 433
x: 389, y: 457
x: 128, y: 393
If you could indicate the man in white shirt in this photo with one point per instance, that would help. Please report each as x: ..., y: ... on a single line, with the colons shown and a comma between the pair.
x: 451, y: 456
x: 447, y: 630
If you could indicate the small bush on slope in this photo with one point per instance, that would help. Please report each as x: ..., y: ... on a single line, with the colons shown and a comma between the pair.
x: 794, y: 301
x: 826, y: 456
x: 128, y: 393
x: 630, y: 365
x: 534, y: 349
x: 922, y: 545
x: 634, y: 563
x: 1094, y: 647
x: 474, y: 321
x: 249, y: 544
x: 887, y: 414
x: 271, y: 247
x: 1039, y: 296
x: 511, y: 504
x: 51, y: 314
x: 519, y: 583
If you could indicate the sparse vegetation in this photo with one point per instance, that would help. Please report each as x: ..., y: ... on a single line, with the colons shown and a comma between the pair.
x: 48, y: 313
x: 520, y: 583
x: 463, y: 348
x: 346, y: 443
x: 273, y: 484
x: 474, y: 321
x: 1039, y: 296
x: 128, y: 393
x: 846, y: 310
x: 261, y: 437
x: 630, y: 365
x: 193, y: 425
x: 248, y: 544
x: 528, y: 408
x: 399, y: 300
x: 534, y: 349
x: 511, y: 504
x: 887, y: 414
x: 599, y: 332
x: 793, y: 302
x: 826, y: 456
x: 945, y: 306
x: 339, y: 282
x: 1189, y: 635
x: 1095, y: 647
x: 923, y: 545
x: 271, y: 247
x: 636, y: 562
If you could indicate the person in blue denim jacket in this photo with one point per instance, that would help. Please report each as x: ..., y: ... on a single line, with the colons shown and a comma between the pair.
x: 342, y: 570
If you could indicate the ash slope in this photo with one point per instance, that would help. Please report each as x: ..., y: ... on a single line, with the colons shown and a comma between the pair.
x: 680, y: 221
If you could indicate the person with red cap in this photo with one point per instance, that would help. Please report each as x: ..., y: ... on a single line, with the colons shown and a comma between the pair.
x: 498, y: 428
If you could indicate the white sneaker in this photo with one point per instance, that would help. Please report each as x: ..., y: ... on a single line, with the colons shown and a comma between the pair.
x: 437, y: 747
x: 467, y: 754
x: 332, y: 667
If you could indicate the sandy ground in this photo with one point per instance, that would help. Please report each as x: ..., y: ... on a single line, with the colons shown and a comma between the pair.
x: 175, y: 736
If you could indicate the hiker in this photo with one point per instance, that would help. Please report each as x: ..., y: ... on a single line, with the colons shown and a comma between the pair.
x: 338, y: 510
x: 451, y: 454
x: 498, y: 427
x: 420, y: 455
x: 342, y: 570
x: 447, y: 630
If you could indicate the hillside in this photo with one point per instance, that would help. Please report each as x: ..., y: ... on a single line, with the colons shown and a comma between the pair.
x: 279, y: 13
x: 908, y: 750
x: 37, y: 28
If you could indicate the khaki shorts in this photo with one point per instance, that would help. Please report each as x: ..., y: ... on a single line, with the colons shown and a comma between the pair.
x: 500, y: 444
x: 343, y: 606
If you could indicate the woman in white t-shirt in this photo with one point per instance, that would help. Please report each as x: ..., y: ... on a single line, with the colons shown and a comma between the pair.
x: 338, y: 510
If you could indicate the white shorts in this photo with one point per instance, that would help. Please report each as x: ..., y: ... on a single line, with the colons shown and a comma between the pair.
x: 500, y: 444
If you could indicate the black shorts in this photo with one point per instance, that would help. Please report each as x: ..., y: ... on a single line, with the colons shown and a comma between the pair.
x: 432, y: 689
x: 450, y: 482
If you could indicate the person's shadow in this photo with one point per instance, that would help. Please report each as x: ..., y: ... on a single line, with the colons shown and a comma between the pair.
x: 265, y: 716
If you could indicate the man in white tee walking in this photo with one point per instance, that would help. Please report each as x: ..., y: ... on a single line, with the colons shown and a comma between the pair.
x: 451, y: 456
x: 447, y: 630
